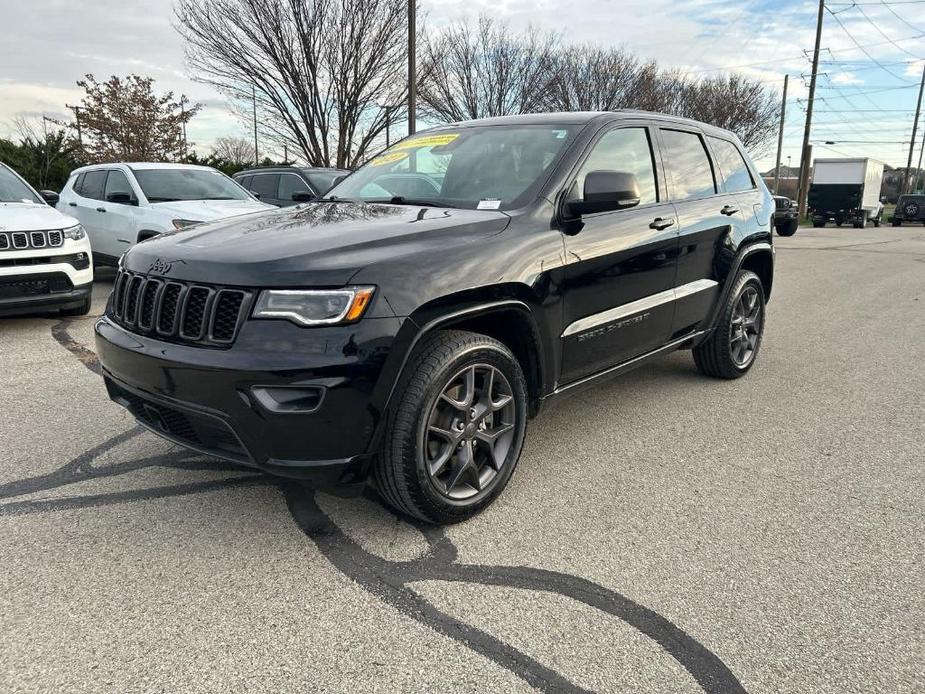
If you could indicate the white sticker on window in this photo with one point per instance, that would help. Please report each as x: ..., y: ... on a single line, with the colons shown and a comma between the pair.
x: 489, y: 204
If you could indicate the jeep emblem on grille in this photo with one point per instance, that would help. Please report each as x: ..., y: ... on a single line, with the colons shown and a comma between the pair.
x: 161, y: 266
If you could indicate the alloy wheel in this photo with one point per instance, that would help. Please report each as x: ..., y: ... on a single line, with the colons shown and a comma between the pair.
x: 469, y: 432
x: 745, y: 327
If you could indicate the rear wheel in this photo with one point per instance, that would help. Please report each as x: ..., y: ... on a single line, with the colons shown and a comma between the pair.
x: 897, y: 223
x: 457, y: 429
x: 733, y: 346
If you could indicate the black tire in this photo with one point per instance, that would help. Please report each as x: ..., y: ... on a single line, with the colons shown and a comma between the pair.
x: 876, y: 223
x: 788, y: 228
x: 897, y: 223
x: 716, y: 356
x: 402, y: 470
x: 81, y: 310
x: 818, y: 225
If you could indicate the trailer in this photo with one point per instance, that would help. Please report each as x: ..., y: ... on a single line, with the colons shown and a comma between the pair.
x: 846, y: 190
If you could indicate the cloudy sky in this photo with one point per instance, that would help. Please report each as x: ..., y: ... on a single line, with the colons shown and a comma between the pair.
x: 871, y: 62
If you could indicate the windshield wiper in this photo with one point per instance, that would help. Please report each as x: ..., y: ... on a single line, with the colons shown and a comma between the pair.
x: 421, y: 202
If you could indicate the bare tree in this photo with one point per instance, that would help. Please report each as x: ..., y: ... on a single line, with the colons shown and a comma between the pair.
x: 592, y: 78
x: 486, y: 71
x: 235, y: 150
x: 122, y: 119
x: 326, y: 74
x: 734, y: 102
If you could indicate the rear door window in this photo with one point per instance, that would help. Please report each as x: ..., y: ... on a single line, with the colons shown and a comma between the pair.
x: 93, y: 184
x: 245, y: 181
x: 690, y: 174
x: 732, y: 166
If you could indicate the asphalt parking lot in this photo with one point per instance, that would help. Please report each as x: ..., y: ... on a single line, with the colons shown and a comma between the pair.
x: 663, y: 533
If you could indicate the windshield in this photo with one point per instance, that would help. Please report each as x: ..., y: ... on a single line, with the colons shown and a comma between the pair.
x: 12, y: 189
x: 486, y: 168
x: 168, y: 185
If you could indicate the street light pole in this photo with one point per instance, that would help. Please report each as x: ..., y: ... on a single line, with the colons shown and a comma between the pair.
x: 412, y: 66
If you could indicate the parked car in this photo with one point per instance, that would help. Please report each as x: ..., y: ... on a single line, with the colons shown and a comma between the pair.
x: 910, y: 209
x: 786, y: 215
x: 120, y: 205
x: 44, y: 255
x: 288, y: 185
x: 411, y: 338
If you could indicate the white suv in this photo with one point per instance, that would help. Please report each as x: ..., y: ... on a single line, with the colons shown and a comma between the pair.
x: 122, y: 204
x: 44, y: 255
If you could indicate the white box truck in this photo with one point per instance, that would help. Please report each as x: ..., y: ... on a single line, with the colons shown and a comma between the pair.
x: 846, y: 190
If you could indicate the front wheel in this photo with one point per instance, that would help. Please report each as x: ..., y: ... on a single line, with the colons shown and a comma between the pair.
x: 732, y: 347
x: 788, y: 228
x: 457, y: 428
x: 81, y: 310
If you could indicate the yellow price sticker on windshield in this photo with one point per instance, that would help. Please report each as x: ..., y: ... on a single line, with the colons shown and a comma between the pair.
x: 388, y: 158
x: 427, y: 141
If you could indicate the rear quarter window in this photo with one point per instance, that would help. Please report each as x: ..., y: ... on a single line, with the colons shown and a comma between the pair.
x: 732, y: 166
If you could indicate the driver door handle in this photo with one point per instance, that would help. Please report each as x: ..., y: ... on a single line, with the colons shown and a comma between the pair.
x: 729, y: 210
x: 660, y: 223
x: 100, y: 209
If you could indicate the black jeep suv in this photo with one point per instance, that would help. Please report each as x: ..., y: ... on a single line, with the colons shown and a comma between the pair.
x: 407, y: 326
x: 910, y: 209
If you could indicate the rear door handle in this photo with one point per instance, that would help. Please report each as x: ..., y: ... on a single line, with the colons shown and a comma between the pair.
x: 729, y: 210
x: 72, y: 204
x: 660, y: 223
x: 100, y: 209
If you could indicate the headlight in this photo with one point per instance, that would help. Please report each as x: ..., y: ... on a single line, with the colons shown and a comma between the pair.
x: 184, y: 223
x: 74, y: 233
x: 314, y: 306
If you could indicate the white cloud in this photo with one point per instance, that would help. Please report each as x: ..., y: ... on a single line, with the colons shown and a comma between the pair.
x: 845, y: 78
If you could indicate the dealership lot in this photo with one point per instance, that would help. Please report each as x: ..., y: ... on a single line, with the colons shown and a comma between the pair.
x: 664, y: 532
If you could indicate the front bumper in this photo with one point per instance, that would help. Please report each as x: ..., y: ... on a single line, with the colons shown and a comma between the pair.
x: 209, y: 399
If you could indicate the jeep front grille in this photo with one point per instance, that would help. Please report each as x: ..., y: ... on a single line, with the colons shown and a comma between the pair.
x: 26, y: 240
x: 173, y: 311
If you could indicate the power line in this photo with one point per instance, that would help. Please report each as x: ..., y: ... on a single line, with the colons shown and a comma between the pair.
x: 864, y: 50
x: 892, y: 12
x: 881, y: 32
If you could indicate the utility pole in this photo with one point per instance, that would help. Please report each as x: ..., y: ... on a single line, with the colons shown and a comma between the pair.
x: 805, y: 151
x: 254, y: 101
x: 412, y: 66
x: 183, y: 118
x: 919, y: 169
x: 780, y: 137
x: 915, y: 124
x: 76, y: 110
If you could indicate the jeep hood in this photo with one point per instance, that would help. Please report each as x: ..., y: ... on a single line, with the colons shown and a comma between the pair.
x: 19, y: 216
x: 319, y: 244
x: 207, y: 210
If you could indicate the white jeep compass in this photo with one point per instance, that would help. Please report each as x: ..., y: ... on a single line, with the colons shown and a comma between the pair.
x: 122, y: 204
x: 44, y: 255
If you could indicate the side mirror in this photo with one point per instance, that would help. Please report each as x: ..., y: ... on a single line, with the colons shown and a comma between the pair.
x: 605, y: 191
x: 256, y: 195
x: 120, y: 198
x: 302, y: 196
x: 50, y: 196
